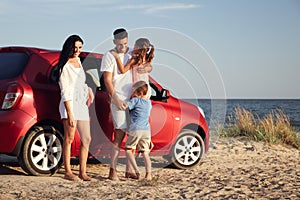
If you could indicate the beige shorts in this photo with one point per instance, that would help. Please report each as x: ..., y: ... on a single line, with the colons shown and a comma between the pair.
x: 139, y: 139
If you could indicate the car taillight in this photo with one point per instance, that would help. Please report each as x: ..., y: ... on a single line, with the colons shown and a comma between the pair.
x: 12, y: 97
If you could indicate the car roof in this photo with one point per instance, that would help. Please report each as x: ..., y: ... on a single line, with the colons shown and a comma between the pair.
x: 46, y: 53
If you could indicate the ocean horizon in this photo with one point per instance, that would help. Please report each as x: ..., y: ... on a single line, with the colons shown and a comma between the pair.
x: 218, y: 110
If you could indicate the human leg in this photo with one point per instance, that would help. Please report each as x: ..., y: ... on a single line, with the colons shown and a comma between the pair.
x: 69, y: 132
x: 119, y: 136
x: 129, y: 173
x: 85, y: 138
x: 145, y: 145
x: 147, y: 162
x: 130, y: 146
x: 131, y: 160
x: 120, y: 121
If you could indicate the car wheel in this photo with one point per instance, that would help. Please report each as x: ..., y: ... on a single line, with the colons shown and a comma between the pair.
x: 188, y: 150
x: 42, y: 151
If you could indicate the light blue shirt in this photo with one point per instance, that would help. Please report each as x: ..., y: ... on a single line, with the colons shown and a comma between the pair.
x: 139, y: 113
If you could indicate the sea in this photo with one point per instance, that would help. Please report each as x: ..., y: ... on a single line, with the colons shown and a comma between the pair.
x: 218, y: 110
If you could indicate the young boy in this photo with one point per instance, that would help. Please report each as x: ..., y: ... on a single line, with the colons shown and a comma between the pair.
x: 139, y: 136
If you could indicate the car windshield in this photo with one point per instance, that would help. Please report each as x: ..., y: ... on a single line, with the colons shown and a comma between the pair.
x: 12, y: 64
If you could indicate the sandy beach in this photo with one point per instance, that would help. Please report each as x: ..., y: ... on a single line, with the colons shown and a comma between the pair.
x: 233, y: 169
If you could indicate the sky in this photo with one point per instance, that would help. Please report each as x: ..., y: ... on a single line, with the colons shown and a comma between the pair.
x: 203, y: 48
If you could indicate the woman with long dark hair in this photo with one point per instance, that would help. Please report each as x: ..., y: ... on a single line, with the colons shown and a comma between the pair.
x: 76, y: 96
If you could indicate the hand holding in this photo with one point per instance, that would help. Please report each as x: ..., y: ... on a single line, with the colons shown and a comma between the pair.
x: 114, y: 53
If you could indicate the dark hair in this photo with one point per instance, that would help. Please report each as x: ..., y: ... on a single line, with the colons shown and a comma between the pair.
x: 67, y: 51
x: 145, y: 49
x: 140, y: 87
x: 120, y: 33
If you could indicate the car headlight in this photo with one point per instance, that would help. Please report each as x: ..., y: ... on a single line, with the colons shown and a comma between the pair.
x: 201, y: 111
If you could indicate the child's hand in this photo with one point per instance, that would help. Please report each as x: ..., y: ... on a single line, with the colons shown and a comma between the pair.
x: 114, y: 53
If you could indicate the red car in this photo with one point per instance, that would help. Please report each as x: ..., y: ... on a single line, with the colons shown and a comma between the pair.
x: 31, y: 129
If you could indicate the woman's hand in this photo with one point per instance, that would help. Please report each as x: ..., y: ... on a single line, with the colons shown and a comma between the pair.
x: 71, y: 120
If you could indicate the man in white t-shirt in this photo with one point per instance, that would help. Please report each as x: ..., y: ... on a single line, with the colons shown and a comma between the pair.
x: 119, y: 87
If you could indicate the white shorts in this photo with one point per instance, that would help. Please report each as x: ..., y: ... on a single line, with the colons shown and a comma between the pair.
x: 120, y: 118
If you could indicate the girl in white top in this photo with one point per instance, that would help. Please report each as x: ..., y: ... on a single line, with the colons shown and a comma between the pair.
x: 76, y: 96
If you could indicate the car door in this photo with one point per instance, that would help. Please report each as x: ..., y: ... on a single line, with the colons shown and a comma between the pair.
x: 161, y: 119
x: 101, y: 129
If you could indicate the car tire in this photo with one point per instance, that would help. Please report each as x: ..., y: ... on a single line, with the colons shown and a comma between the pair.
x: 188, y: 150
x: 42, y: 151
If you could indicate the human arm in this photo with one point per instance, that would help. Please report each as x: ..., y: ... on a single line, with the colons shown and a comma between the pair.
x: 110, y: 88
x: 131, y: 103
x: 144, y: 68
x: 122, y: 69
x: 148, y: 67
x: 67, y: 90
x: 90, y: 97
x: 69, y: 113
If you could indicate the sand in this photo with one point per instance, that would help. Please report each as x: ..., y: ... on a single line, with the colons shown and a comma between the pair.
x: 233, y: 169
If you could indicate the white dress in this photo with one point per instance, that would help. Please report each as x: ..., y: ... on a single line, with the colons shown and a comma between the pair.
x: 74, y: 89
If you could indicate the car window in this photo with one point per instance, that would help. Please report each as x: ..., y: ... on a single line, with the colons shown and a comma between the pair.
x: 12, y: 64
x: 94, y: 76
x: 153, y: 89
x: 91, y: 67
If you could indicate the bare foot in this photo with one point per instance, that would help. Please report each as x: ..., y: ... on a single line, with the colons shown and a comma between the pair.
x: 132, y: 175
x: 138, y: 175
x: 72, y: 177
x: 113, y: 175
x: 85, y: 177
x: 148, y: 177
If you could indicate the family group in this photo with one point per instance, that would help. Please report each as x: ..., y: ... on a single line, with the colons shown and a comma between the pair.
x: 125, y: 73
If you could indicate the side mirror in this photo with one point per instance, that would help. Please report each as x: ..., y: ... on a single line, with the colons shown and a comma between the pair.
x: 165, y: 94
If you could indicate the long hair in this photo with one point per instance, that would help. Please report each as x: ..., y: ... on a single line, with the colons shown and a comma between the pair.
x: 145, y: 49
x: 67, y: 52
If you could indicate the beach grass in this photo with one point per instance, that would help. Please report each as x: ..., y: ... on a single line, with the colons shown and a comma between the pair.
x: 273, y: 128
